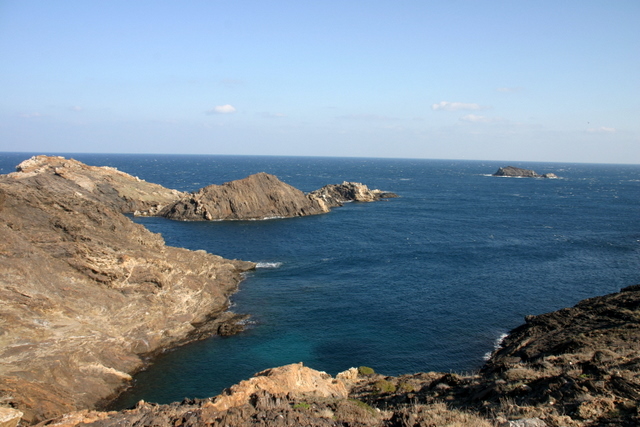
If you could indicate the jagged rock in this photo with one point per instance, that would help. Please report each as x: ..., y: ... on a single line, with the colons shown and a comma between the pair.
x: 85, y: 292
x: 258, y: 196
x: 334, y: 195
x: 293, y: 380
x: 9, y: 417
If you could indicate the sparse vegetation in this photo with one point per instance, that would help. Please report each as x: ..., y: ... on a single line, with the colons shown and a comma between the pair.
x: 384, y: 386
x: 365, y: 370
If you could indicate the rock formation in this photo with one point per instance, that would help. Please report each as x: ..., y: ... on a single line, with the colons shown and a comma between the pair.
x: 86, y: 293
x: 511, y: 171
x: 258, y: 196
x: 574, y: 367
x: 262, y: 196
x: 334, y: 195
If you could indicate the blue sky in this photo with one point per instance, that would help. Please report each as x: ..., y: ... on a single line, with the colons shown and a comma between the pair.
x: 497, y: 80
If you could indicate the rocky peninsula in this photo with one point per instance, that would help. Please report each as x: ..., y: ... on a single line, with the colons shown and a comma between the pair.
x: 511, y: 171
x: 264, y: 196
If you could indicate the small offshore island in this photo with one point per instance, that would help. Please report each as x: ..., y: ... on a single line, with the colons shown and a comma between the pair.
x: 514, y: 172
x: 107, y: 295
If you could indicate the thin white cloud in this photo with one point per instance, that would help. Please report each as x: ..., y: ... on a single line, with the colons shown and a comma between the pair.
x: 76, y: 108
x: 222, y: 109
x: 34, y: 115
x: 455, y: 106
x: 474, y: 118
x: 602, y: 129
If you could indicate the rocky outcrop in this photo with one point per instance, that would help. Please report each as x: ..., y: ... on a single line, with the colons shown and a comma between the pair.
x: 107, y: 185
x: 263, y: 196
x: 258, y: 196
x: 334, y: 195
x: 573, y: 367
x: 86, y: 294
x: 511, y: 171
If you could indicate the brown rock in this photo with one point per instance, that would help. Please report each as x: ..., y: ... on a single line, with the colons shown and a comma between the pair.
x: 85, y: 291
x: 258, y: 196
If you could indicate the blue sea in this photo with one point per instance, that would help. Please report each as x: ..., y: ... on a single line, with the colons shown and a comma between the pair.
x: 427, y: 281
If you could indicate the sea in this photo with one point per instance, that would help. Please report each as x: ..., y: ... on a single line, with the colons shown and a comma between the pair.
x: 428, y: 281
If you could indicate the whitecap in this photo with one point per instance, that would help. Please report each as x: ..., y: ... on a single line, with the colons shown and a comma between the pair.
x: 496, y: 346
x: 268, y: 264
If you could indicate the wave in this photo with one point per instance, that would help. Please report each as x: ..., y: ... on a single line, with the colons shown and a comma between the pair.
x: 496, y: 346
x: 268, y: 264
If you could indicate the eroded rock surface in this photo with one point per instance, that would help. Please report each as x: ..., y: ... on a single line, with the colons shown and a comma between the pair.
x: 334, y: 195
x: 85, y: 293
x: 258, y: 196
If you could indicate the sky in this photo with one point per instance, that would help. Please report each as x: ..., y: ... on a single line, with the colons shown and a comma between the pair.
x: 553, y: 81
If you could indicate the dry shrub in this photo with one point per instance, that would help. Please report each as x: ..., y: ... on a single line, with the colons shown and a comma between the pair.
x: 438, y: 415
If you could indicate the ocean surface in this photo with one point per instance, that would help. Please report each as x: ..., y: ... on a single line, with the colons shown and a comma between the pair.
x: 428, y: 281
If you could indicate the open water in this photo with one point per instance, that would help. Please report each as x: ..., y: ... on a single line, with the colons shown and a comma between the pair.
x: 428, y: 281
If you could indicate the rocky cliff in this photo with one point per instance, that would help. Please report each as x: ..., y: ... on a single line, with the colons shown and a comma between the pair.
x: 574, y: 367
x: 512, y: 171
x: 85, y: 292
x: 263, y: 196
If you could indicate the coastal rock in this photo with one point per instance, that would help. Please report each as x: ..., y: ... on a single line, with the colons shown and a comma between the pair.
x: 293, y: 380
x: 516, y: 172
x: 258, y: 196
x: 511, y: 171
x: 107, y: 185
x: 263, y: 196
x: 334, y: 195
x: 86, y: 293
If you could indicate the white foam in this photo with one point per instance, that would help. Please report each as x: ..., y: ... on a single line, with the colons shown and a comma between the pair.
x: 268, y: 264
x: 496, y: 346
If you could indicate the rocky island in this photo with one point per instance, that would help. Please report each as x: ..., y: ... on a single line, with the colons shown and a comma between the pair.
x: 511, y: 171
x: 264, y: 196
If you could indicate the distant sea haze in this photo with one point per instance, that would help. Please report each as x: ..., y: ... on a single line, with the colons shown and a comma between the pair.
x: 427, y: 281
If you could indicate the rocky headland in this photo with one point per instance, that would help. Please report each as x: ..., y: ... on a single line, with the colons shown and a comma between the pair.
x: 511, y: 171
x: 264, y: 196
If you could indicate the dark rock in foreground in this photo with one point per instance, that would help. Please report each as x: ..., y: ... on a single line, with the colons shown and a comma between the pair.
x: 514, y: 172
x: 578, y: 366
